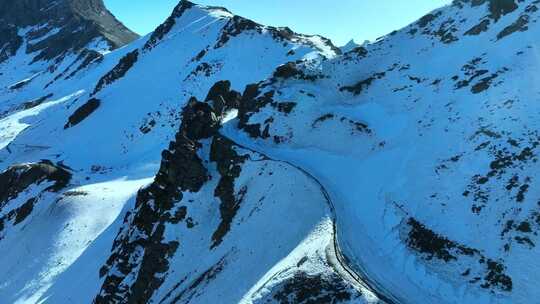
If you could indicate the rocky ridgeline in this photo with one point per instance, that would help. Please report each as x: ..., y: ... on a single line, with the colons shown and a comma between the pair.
x: 235, y: 26
x: 140, y: 259
x: 182, y: 170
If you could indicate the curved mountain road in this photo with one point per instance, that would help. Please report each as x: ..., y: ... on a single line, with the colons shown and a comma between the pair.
x: 355, y: 272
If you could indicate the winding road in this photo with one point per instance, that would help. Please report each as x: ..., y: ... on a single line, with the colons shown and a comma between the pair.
x: 355, y: 272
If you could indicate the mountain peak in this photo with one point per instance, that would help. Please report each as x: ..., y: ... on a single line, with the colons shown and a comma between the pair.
x: 349, y: 46
x: 55, y: 27
x: 235, y: 25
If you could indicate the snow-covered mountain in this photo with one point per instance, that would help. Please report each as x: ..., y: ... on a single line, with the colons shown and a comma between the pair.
x: 218, y: 160
x: 349, y: 46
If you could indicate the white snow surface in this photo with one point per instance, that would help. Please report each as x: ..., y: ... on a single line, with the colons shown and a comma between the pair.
x: 435, y: 124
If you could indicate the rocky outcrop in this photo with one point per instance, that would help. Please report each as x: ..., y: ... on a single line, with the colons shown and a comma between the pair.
x: 181, y: 170
x: 229, y: 164
x: 238, y: 25
x: 166, y: 26
x: 119, y: 71
x: 82, y: 112
x: 222, y: 97
x: 303, y: 288
x: 17, y: 179
x: 10, y: 41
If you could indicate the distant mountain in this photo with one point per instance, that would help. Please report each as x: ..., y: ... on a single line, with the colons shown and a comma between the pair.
x: 217, y: 160
x: 52, y: 28
x: 349, y: 46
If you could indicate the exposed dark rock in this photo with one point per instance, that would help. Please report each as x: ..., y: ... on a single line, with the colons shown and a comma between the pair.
x: 483, y: 84
x: 285, y: 107
x: 86, y: 58
x: 181, y: 170
x: 235, y: 27
x: 198, y: 120
x: 167, y: 26
x: 446, y: 32
x: 432, y: 245
x: 223, y: 98
x: 323, y: 118
x: 203, y: 68
x: 427, y: 19
x: 496, y: 8
x: 145, y: 129
x: 360, y: 86
x: 9, y: 40
x: 479, y: 28
x: 200, y: 55
x: 79, y: 23
x: 303, y: 288
x: 250, y: 104
x: 229, y: 167
x: 191, y: 291
x: 499, y: 8
x: 360, y: 51
x: 467, y: 82
x: 19, y: 177
x: 218, y: 90
x: 238, y: 25
x: 23, y: 211
x: 291, y: 70
x: 26, y: 105
x: 496, y: 277
x: 287, y: 70
x: 36, y: 102
x: 119, y: 71
x: 20, y: 84
x: 524, y: 227
x: 82, y: 112
x: 520, y: 25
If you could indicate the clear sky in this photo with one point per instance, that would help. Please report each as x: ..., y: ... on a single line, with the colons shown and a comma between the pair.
x: 339, y: 20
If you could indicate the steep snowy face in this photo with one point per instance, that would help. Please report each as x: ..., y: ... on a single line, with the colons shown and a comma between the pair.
x: 146, y: 83
x: 428, y: 141
x: 45, y: 43
x: 104, y: 118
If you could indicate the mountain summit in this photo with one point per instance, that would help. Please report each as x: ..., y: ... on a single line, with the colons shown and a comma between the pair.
x: 52, y: 28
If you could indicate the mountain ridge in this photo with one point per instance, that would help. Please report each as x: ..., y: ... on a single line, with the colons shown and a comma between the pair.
x: 56, y: 26
x: 216, y: 148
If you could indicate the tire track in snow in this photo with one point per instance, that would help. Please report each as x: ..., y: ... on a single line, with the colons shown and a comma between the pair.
x: 355, y: 272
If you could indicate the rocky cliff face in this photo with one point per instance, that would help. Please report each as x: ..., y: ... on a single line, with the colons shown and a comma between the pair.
x: 52, y: 28
x: 203, y: 166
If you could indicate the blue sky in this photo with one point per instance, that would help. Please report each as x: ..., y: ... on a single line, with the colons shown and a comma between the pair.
x: 339, y: 20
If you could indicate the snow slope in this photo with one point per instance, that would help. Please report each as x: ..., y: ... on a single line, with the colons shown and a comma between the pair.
x: 219, y: 160
x: 429, y: 147
x: 106, y: 124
